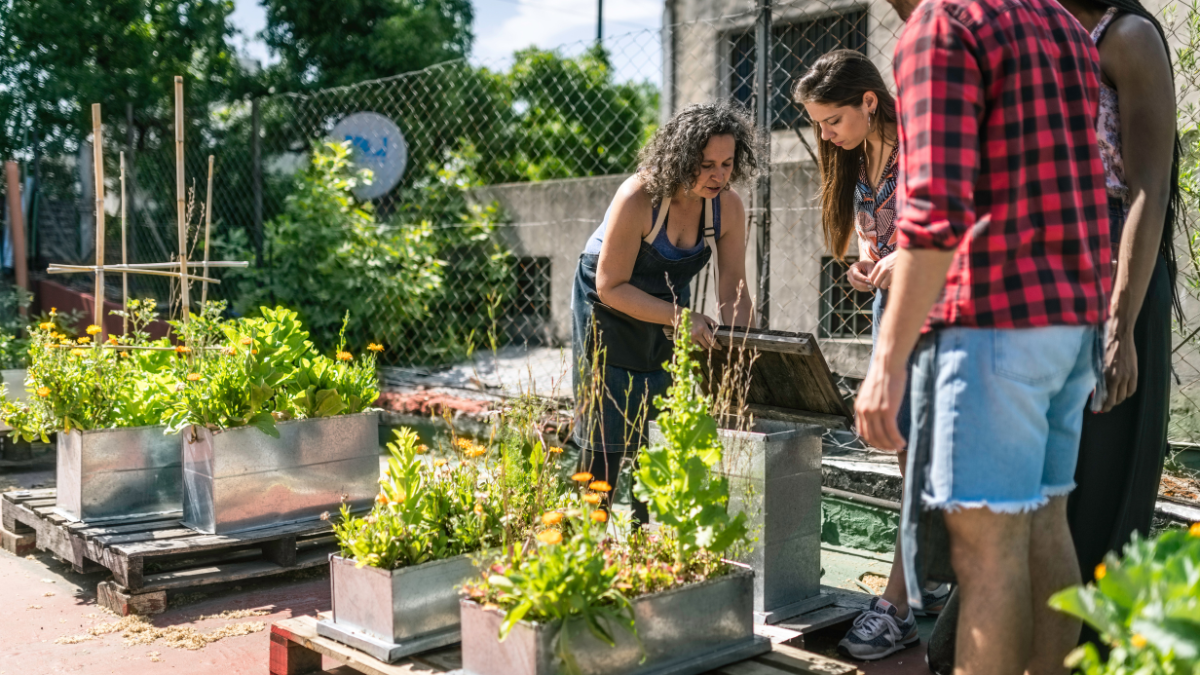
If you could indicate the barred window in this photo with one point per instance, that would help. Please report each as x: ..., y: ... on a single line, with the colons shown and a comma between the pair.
x: 845, y: 312
x: 797, y: 46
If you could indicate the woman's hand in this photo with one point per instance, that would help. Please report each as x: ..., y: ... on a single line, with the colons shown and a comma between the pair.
x: 1120, y: 369
x: 881, y: 276
x: 702, y: 331
x: 860, y: 275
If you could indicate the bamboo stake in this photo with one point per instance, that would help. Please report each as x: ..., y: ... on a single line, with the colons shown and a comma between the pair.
x: 132, y: 267
x: 207, y: 229
x: 98, y: 161
x: 124, y: 255
x: 181, y: 214
x: 75, y: 269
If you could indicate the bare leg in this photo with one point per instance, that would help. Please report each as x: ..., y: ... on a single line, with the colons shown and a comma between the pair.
x: 990, y: 554
x: 1052, y: 554
x: 895, y: 592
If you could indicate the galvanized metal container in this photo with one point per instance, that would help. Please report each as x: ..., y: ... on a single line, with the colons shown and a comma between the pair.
x: 684, y: 631
x: 14, y: 380
x: 390, y: 614
x: 108, y: 474
x: 241, y: 479
x: 774, y: 472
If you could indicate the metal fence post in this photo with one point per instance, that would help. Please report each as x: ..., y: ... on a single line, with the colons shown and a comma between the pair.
x: 762, y: 198
x: 256, y: 181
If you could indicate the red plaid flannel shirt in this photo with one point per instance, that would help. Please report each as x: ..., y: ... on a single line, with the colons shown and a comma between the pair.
x: 997, y: 108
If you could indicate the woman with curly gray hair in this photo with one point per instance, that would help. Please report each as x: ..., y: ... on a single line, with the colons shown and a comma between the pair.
x: 633, y: 278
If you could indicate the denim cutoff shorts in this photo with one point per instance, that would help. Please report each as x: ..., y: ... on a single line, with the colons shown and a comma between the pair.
x: 1001, y: 410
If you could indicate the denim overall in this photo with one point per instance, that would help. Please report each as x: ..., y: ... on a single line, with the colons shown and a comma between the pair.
x: 618, y: 423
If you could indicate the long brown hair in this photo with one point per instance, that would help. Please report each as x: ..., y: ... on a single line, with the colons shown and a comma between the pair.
x: 841, y: 78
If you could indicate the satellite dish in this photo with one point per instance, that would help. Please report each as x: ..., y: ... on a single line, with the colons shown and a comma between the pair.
x: 378, y: 145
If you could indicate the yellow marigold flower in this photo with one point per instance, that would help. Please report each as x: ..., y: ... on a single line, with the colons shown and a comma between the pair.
x: 582, y: 477
x: 183, y: 349
x: 551, y: 537
x: 600, y: 486
x: 344, y: 356
x: 1101, y: 570
x: 1194, y: 530
x: 84, y: 340
x: 43, y: 391
x: 552, y: 518
x: 599, y: 516
x: 65, y: 341
x: 126, y: 354
x: 374, y: 347
x: 555, y: 450
x: 439, y: 462
x: 53, y: 311
x: 1138, y: 640
x: 463, y: 443
x: 93, y: 329
x: 194, y: 377
x: 422, y: 449
x: 592, y: 498
x: 46, y: 325
x: 78, y: 352
x: 247, y: 341
x: 479, y: 509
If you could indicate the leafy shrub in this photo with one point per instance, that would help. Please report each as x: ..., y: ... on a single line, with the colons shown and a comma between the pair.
x: 1146, y: 606
x: 13, y: 348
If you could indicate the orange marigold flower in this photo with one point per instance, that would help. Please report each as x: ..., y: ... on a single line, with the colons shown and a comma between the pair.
x: 592, y: 498
x: 1194, y: 530
x: 112, y: 340
x: 43, y: 391
x: 93, y: 329
x: 46, y: 325
x: 1138, y: 640
x: 126, y: 354
x: 194, y: 377
x: 554, y: 450
x: 582, y: 477
x: 374, y: 347
x: 422, y: 449
x: 600, y: 486
x: 439, y: 462
x: 344, y: 356
x: 247, y: 341
x: 84, y: 340
x: 1101, y: 570
x: 479, y: 509
x: 183, y: 349
x: 552, y: 518
x: 599, y: 516
x: 551, y: 537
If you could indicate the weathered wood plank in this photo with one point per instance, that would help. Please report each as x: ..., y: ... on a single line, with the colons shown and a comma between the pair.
x: 303, y: 631
x: 124, y: 603
x: 227, y: 572
x: 216, y: 541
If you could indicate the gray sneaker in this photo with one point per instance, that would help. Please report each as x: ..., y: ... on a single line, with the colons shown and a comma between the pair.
x: 878, y: 633
x: 933, y: 601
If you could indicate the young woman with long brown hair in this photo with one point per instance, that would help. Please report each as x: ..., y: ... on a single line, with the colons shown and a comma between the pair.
x: 854, y: 116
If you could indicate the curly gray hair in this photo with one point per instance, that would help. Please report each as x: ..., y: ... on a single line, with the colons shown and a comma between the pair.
x: 673, y: 156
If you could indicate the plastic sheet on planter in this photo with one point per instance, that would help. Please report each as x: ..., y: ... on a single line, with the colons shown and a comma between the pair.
x: 241, y: 479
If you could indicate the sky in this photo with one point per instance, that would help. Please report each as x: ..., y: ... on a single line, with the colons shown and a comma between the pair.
x: 503, y: 26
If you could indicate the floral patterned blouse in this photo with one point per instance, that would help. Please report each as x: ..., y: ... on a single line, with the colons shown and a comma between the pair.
x: 1108, y: 124
x: 875, y: 210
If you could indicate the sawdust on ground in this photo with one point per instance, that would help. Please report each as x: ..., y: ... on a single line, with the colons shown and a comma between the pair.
x: 136, y: 630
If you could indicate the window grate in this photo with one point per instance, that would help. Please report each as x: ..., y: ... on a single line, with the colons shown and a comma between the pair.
x: 845, y: 312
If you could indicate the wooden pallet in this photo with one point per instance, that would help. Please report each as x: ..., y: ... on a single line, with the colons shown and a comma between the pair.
x: 296, y: 649
x: 151, y: 556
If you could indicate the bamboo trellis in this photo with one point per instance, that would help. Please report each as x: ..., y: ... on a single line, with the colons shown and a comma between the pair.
x: 179, y: 268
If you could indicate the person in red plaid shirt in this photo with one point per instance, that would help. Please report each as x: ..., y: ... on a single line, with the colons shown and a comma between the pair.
x: 1003, y: 275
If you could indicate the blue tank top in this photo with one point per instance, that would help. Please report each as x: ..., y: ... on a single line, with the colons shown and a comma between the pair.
x: 661, y: 243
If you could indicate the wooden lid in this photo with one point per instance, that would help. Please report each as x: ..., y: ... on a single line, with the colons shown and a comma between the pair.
x: 789, y: 378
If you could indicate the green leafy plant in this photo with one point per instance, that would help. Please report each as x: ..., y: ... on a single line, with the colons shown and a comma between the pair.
x: 77, y: 385
x: 675, y: 477
x: 13, y: 347
x: 425, y: 510
x: 565, y: 580
x: 1146, y: 606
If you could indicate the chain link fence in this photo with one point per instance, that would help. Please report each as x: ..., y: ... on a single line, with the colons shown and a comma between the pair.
x: 510, y: 167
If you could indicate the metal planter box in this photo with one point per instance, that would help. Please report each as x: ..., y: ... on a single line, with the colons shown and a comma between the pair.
x: 685, y: 631
x: 242, y: 479
x: 774, y: 472
x: 390, y: 614
x: 107, y: 474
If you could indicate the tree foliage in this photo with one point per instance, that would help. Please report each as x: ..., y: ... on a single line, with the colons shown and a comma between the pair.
x: 326, y: 44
